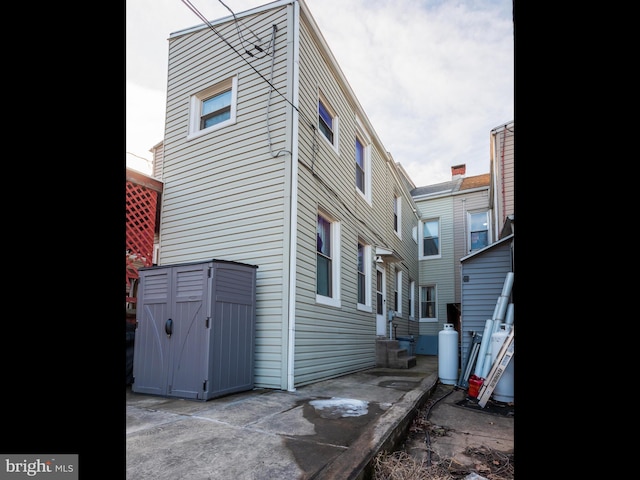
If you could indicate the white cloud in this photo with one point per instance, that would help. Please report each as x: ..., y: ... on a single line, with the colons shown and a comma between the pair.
x: 433, y: 76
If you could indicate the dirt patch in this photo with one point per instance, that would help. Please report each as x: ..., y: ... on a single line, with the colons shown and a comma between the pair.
x: 416, y: 459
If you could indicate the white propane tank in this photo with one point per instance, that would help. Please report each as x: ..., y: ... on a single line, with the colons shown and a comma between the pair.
x: 503, y: 391
x: 448, y: 354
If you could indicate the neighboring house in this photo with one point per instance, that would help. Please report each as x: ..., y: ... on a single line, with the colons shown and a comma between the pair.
x: 143, y: 195
x: 484, y: 272
x: 454, y: 221
x: 269, y: 159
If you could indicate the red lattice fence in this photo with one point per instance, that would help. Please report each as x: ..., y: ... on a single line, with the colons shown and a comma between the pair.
x: 142, y: 204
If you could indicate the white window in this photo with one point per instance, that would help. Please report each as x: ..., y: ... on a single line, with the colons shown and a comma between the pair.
x: 328, y: 260
x: 363, y: 163
x: 430, y: 244
x: 397, y: 216
x: 479, y: 236
x: 412, y: 299
x: 328, y: 122
x: 364, y: 276
x: 428, y: 304
x: 213, y: 108
x: 397, y: 306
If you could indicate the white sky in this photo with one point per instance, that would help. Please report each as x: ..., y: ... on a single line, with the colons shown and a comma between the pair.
x: 433, y: 76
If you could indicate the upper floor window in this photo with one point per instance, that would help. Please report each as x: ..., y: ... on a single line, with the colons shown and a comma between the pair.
x: 213, y: 108
x: 478, y: 230
x: 397, y: 215
x: 328, y: 122
x: 428, y: 302
x: 363, y: 162
x: 430, y: 238
x: 328, y: 263
x: 360, y: 165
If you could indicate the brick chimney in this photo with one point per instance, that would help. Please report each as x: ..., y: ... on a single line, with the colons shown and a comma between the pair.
x: 458, y: 170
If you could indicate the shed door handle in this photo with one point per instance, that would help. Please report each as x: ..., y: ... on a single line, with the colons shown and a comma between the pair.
x: 168, y: 327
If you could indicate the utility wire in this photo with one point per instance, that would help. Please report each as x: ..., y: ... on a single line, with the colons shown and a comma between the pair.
x: 203, y: 18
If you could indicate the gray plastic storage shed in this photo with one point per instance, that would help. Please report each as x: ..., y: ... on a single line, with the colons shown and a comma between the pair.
x: 195, y: 330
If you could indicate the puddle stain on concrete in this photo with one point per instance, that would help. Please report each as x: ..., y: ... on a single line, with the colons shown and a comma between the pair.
x: 337, y: 422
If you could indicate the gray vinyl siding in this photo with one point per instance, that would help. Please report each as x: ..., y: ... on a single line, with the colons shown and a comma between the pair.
x: 439, y: 271
x: 225, y: 196
x: 462, y: 204
x: 332, y: 341
x: 486, y: 271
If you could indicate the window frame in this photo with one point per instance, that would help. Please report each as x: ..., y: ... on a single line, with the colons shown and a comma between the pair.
x: 397, y: 215
x: 470, y: 215
x: 397, y: 293
x: 365, y: 142
x: 422, y: 239
x: 364, y: 254
x: 196, y: 102
x: 333, y: 299
x: 335, y: 122
x: 412, y: 299
x: 434, y: 301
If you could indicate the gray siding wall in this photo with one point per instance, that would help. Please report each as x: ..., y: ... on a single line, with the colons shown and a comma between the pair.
x: 439, y: 271
x: 225, y: 196
x: 332, y: 341
x: 486, y: 272
x: 462, y: 205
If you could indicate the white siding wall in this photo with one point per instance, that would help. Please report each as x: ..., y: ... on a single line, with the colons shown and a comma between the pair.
x: 225, y: 197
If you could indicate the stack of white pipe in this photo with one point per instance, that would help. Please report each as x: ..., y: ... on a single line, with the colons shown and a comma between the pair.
x: 492, y: 325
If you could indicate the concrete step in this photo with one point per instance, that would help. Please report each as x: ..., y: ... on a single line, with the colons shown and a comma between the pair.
x: 399, y: 359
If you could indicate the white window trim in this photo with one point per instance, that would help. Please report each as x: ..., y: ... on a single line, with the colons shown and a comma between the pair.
x: 412, y: 297
x: 426, y: 319
x: 366, y: 153
x: 335, y: 122
x: 367, y: 255
x: 334, y: 300
x: 195, y: 104
x: 398, y: 203
x: 421, y: 238
x: 475, y: 212
x: 399, y: 290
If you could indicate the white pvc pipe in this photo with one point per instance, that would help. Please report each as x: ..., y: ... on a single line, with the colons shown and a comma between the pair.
x: 484, y: 344
x: 488, y: 359
x: 508, y: 284
x: 509, y: 319
x: 501, y: 308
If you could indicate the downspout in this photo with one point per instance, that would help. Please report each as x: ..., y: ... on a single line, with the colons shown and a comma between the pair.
x: 293, y: 232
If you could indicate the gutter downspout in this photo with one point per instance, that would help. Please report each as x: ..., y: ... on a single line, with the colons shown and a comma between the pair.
x: 293, y: 237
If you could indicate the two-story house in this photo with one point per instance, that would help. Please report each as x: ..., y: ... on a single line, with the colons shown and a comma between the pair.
x: 454, y: 221
x: 488, y: 274
x: 269, y: 159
